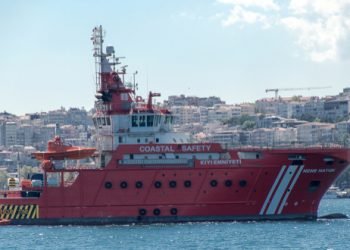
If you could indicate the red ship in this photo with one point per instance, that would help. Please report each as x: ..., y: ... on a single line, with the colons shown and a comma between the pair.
x: 145, y: 172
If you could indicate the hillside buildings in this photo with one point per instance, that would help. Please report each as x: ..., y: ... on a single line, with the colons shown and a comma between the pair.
x: 268, y: 122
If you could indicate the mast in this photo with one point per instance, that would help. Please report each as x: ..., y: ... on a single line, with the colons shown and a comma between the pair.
x: 97, y: 41
x: 113, y: 97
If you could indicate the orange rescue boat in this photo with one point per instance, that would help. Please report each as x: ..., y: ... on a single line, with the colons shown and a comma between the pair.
x: 57, y: 150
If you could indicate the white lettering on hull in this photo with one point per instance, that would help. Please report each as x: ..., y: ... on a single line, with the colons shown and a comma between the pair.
x: 318, y: 170
x: 220, y: 162
x: 195, y: 148
x: 157, y: 149
x: 172, y: 149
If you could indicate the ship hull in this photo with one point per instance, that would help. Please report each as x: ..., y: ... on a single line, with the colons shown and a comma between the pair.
x: 272, y: 188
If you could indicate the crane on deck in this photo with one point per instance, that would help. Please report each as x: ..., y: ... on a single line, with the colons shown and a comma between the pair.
x: 291, y: 89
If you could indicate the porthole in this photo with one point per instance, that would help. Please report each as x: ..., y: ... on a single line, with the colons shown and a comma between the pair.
x: 314, y: 185
x: 108, y: 185
x: 156, y: 211
x: 242, y: 183
x: 187, y: 183
x: 157, y: 184
x: 228, y: 183
x: 138, y: 184
x: 329, y: 163
x: 213, y: 183
x: 142, y: 211
x: 297, y: 162
x: 173, y: 211
x: 123, y: 184
x: 172, y: 184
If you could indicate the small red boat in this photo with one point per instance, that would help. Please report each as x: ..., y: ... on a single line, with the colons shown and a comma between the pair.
x: 56, y: 150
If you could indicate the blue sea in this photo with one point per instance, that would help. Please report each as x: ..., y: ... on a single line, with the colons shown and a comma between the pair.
x: 321, y: 234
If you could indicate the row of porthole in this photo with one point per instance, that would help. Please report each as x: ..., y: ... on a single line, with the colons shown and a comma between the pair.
x: 228, y: 183
x: 139, y: 184
x: 173, y: 184
x: 157, y: 211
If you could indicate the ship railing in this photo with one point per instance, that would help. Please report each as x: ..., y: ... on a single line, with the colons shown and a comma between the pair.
x: 283, y: 145
x: 154, y: 162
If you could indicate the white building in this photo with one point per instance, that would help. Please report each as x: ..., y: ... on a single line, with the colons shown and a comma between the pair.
x: 315, y: 133
x: 337, y: 109
x: 25, y: 134
x: 247, y: 109
x: 223, y: 112
x: 186, y: 114
x: 10, y: 133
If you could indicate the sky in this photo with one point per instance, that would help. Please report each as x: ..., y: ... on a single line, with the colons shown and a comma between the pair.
x: 234, y: 49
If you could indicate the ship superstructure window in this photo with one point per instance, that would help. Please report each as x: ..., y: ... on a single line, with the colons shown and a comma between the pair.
x: 102, y: 121
x: 145, y: 120
x: 156, y: 120
x: 150, y: 120
x: 249, y: 155
x: 134, y: 121
x: 142, y: 121
x: 168, y: 119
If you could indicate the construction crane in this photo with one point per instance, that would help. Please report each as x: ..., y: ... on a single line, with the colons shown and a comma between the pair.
x: 291, y: 89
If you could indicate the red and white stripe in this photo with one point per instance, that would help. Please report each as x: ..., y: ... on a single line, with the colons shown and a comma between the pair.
x: 281, y: 189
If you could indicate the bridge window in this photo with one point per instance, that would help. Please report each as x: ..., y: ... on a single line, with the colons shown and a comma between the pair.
x: 108, y: 119
x: 168, y: 119
x: 150, y: 119
x: 142, y: 121
x: 157, y: 120
x: 134, y: 121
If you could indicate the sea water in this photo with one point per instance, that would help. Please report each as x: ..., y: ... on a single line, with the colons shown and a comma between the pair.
x: 320, y: 234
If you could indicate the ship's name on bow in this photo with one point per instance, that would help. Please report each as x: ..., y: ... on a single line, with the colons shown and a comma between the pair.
x: 173, y: 149
x: 318, y: 170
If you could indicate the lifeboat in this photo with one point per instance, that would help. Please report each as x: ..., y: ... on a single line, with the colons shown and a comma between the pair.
x: 57, y: 150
